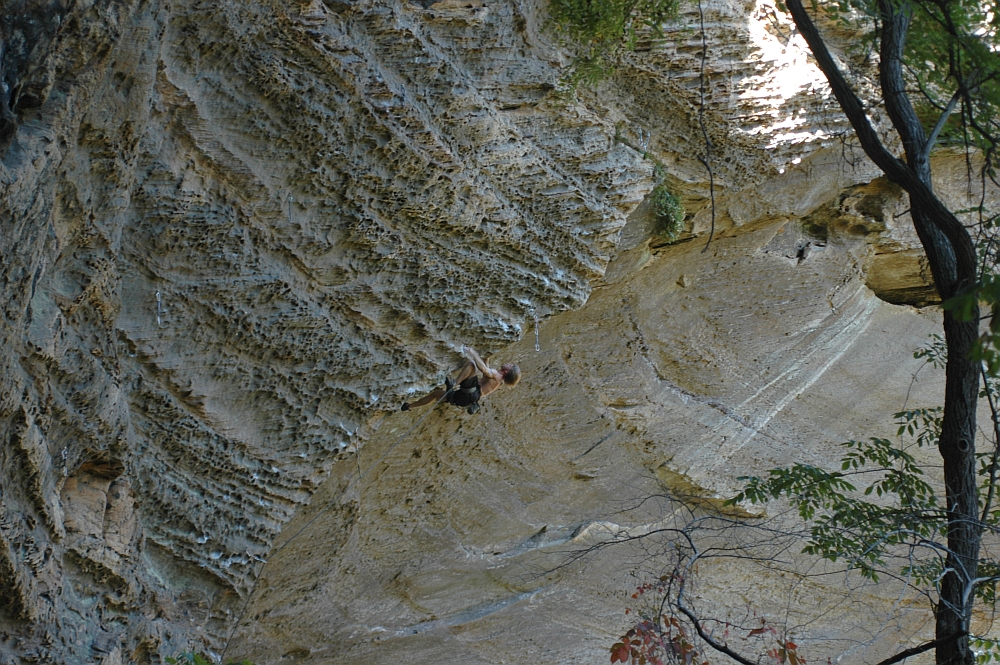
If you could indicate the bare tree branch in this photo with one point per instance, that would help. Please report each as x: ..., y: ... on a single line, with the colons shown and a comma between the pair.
x: 933, y: 644
x: 932, y: 139
x: 718, y: 646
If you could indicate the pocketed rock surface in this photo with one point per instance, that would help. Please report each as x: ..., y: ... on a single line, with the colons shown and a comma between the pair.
x: 235, y: 236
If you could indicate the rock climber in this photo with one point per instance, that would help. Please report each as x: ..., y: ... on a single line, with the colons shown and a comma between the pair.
x: 471, y: 388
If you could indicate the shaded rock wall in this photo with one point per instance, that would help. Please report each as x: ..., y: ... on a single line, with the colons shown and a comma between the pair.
x: 235, y: 235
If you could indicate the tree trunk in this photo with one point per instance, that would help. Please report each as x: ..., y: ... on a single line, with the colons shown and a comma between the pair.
x: 953, y: 612
x: 952, y: 258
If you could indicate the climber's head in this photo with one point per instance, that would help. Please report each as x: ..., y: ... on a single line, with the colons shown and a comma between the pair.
x: 511, y: 373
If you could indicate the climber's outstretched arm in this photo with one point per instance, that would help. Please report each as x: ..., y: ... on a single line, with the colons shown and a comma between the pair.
x: 481, y: 364
x: 467, y: 371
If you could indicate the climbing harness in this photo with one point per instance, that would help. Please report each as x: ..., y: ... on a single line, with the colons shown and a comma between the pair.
x: 322, y: 510
x: 466, y: 394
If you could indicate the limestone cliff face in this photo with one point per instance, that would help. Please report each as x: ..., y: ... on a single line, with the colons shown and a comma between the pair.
x: 235, y: 235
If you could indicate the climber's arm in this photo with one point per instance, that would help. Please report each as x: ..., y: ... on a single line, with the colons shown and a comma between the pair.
x: 481, y: 364
x: 467, y: 371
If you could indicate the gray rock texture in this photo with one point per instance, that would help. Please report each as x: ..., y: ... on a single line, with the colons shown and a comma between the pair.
x: 236, y: 235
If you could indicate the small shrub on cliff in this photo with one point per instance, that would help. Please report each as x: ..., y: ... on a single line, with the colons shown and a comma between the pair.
x: 669, y: 213
x: 600, y: 29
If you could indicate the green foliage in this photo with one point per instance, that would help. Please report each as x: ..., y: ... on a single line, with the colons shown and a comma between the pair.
x: 936, y: 352
x: 924, y: 425
x: 951, y: 45
x: 987, y: 591
x: 669, y: 213
x: 986, y: 650
x: 601, y: 29
x: 192, y: 658
x: 845, y: 524
x: 950, y: 52
x: 189, y: 658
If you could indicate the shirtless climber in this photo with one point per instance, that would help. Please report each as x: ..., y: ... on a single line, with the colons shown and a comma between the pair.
x: 470, y: 387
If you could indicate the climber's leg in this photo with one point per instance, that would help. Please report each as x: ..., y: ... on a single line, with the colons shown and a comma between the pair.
x: 430, y: 398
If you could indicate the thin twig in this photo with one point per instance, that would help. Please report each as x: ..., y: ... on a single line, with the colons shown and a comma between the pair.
x: 933, y: 644
x: 696, y: 622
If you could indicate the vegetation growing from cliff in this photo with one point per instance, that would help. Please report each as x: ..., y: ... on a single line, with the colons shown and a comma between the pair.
x: 669, y: 213
x: 601, y: 29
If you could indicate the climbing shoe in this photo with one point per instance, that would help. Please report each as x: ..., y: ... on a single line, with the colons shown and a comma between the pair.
x: 405, y: 407
x: 449, y: 383
x: 473, y: 408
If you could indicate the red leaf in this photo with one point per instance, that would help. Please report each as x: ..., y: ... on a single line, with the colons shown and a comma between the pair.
x: 791, y: 645
x: 619, y: 653
x: 757, y: 631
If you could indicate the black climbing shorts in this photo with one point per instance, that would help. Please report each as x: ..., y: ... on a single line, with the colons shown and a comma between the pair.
x: 466, y: 393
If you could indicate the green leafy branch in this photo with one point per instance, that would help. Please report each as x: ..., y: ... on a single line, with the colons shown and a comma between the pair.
x: 986, y: 650
x: 924, y: 425
x: 936, y: 352
x: 845, y: 524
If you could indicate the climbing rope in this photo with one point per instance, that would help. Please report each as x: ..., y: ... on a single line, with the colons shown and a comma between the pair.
x: 706, y: 160
x: 322, y: 510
